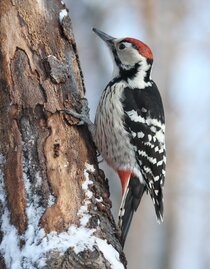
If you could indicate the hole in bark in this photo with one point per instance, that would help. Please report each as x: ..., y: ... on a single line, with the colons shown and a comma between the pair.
x: 56, y: 149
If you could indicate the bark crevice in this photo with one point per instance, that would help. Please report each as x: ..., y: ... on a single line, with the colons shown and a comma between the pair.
x: 54, y: 200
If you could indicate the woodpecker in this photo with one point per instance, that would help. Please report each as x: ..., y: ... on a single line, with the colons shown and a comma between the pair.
x: 129, y: 128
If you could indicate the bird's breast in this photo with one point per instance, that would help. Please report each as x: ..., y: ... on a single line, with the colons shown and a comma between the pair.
x: 111, y: 137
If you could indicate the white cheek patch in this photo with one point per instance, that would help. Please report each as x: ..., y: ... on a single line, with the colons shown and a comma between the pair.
x: 129, y: 56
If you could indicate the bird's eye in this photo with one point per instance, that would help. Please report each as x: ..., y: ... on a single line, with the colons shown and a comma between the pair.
x: 121, y: 46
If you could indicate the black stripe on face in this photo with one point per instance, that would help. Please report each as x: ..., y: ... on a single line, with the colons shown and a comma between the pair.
x: 129, y: 72
x: 125, y: 72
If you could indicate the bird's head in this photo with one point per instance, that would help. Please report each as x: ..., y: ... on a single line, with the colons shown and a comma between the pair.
x: 128, y: 52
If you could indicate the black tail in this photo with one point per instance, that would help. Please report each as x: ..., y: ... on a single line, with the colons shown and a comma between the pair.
x: 157, y: 199
x: 130, y: 203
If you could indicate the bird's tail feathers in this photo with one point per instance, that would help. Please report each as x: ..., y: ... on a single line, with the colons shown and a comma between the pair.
x: 157, y: 198
x: 129, y: 204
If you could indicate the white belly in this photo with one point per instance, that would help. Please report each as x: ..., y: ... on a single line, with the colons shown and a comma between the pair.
x: 111, y: 138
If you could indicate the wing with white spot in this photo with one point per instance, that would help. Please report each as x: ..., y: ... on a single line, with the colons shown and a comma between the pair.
x: 144, y: 120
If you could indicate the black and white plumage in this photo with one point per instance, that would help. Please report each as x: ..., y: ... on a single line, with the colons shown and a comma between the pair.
x: 129, y: 128
x: 145, y: 121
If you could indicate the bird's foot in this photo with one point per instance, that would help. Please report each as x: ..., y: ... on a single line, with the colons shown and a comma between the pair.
x: 83, y: 116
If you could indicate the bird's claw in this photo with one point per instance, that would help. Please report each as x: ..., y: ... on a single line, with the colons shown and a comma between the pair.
x: 83, y: 116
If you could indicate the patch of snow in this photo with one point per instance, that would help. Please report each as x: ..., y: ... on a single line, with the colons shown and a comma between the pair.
x: 90, y: 167
x: 63, y: 13
x: 51, y: 200
x: 33, y: 210
x: 110, y: 253
x: 108, y: 250
x: 83, y: 214
x: 38, y: 179
x: 84, y: 219
x: 83, y: 211
x: 37, y: 243
x: 10, y: 244
x: 87, y: 182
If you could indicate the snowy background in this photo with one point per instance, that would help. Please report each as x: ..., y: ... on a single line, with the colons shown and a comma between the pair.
x: 178, y: 32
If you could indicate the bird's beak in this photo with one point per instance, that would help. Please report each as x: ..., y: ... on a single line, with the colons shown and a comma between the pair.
x: 107, y: 38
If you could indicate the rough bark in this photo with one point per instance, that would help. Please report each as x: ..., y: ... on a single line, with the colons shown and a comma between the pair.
x: 51, y: 190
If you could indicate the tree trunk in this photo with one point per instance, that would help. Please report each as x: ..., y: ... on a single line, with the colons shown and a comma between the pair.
x: 54, y: 201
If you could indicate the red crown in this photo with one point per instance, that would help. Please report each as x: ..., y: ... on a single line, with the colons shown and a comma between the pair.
x: 143, y: 49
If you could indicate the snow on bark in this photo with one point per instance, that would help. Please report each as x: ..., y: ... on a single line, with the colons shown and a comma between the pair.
x: 50, y: 216
x: 63, y: 13
x: 107, y: 249
x: 37, y: 243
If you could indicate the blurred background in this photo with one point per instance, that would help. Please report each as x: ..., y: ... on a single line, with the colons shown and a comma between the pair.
x: 178, y: 33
